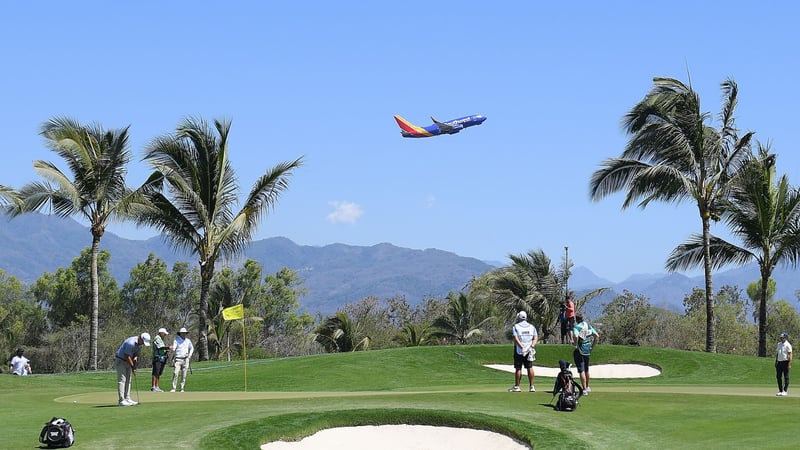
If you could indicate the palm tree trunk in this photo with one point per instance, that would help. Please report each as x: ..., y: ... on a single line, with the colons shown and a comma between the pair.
x: 762, y: 315
x: 206, y: 273
x: 711, y: 328
x: 93, y: 325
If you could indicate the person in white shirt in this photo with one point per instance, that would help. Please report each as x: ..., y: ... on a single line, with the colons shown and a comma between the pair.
x: 20, y: 365
x: 525, y: 339
x: 783, y: 362
x: 183, y: 349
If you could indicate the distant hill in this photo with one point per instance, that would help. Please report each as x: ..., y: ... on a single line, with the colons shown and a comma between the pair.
x: 337, y: 274
x: 334, y: 274
x: 668, y: 290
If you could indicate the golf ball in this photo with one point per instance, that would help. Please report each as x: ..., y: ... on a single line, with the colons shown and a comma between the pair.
x: 74, y: 401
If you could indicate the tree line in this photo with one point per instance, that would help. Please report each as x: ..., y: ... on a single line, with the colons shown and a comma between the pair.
x: 50, y: 318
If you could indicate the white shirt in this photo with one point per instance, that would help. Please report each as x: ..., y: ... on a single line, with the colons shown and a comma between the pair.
x: 19, y: 364
x: 183, y: 348
x: 784, y: 348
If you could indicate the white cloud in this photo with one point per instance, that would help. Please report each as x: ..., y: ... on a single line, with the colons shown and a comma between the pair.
x: 344, y: 212
x: 430, y: 201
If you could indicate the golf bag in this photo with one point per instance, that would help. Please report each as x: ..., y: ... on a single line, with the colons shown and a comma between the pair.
x: 566, y: 389
x: 57, y: 433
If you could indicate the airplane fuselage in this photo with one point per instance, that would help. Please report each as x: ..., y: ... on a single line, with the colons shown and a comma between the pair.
x: 409, y: 130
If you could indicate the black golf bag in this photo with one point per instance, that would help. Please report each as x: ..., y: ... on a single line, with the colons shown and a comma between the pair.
x: 57, y: 433
x: 566, y: 389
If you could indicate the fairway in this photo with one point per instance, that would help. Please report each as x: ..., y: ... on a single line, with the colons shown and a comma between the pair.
x: 699, y: 401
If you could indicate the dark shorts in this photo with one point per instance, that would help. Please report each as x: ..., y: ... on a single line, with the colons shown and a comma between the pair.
x: 158, y: 368
x: 521, y: 361
x: 581, y: 361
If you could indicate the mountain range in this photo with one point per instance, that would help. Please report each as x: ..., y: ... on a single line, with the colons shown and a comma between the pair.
x: 334, y: 274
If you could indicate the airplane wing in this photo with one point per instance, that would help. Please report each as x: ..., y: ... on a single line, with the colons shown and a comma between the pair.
x: 445, y: 128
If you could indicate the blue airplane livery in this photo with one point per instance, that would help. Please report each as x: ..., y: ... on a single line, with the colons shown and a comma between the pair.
x: 409, y: 130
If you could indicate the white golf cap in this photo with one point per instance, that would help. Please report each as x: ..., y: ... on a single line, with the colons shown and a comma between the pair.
x: 163, y: 330
x: 146, y: 338
x: 522, y: 315
x: 183, y: 330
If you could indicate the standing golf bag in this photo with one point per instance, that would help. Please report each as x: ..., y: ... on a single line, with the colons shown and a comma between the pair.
x: 566, y: 389
x: 57, y: 433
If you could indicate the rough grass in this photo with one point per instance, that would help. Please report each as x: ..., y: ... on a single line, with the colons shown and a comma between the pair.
x: 700, y: 401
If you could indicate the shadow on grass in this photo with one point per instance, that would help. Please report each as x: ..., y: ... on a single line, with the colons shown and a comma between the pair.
x: 296, y: 426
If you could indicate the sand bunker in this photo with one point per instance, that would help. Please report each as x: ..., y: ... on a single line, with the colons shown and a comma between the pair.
x: 400, y: 437
x: 596, y: 371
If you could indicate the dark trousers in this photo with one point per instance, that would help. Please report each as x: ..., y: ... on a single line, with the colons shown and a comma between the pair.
x: 782, y: 374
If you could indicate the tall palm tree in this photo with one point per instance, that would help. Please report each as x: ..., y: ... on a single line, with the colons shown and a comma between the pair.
x: 198, y: 190
x: 461, y: 320
x: 764, y: 212
x: 673, y: 155
x: 97, y: 191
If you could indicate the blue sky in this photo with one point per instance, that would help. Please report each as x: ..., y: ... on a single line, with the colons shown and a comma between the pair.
x: 322, y: 81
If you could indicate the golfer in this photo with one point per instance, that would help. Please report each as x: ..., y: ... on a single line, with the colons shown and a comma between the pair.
x: 525, y: 339
x: 20, y: 365
x: 125, y: 362
x: 783, y: 362
x: 585, y: 338
x: 183, y: 355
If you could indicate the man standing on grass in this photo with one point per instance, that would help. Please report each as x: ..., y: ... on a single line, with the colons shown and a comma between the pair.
x: 783, y: 362
x: 585, y: 338
x: 160, y: 351
x: 525, y: 339
x: 125, y: 362
x: 183, y: 355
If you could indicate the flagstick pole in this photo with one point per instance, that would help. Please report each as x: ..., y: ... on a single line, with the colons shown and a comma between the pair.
x: 244, y: 345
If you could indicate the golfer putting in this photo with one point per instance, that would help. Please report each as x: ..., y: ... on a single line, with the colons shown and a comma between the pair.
x: 125, y: 361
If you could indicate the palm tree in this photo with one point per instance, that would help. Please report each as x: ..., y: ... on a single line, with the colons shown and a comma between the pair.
x: 532, y: 284
x: 764, y: 212
x: 461, y: 321
x: 195, y: 208
x: 97, y: 191
x: 672, y: 156
x: 339, y: 333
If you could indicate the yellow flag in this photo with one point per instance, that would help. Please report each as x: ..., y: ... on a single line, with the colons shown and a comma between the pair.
x: 233, y: 313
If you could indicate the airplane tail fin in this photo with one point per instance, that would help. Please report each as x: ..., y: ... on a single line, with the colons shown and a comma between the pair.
x: 408, y: 129
x: 405, y: 125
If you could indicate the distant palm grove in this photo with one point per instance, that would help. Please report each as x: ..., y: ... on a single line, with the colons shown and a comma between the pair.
x: 73, y: 319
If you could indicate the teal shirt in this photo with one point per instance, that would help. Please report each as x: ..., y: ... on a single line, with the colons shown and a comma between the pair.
x: 159, y: 349
x: 584, y: 331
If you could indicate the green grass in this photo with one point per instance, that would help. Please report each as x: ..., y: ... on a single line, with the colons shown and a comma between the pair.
x: 700, y: 401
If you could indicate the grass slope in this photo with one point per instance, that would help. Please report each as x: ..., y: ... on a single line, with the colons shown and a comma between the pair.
x: 700, y: 401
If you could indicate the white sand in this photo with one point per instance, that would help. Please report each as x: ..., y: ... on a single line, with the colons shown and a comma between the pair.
x: 400, y: 437
x: 423, y: 437
x: 596, y: 371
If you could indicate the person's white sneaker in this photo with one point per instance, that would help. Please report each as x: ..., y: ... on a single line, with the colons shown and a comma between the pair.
x: 131, y: 402
x: 172, y: 390
x: 514, y: 389
x: 779, y: 394
x: 587, y: 390
x: 124, y: 403
x: 181, y: 390
x: 532, y: 389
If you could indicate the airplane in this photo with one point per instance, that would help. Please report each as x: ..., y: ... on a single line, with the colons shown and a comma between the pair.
x: 409, y: 130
